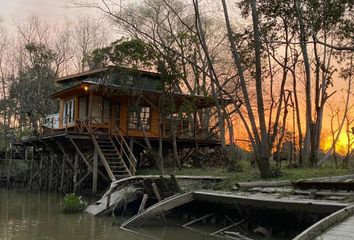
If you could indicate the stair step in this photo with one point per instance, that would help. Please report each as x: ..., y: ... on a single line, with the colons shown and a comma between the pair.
x: 103, y: 144
x: 122, y: 176
x: 117, y: 166
x: 119, y: 172
x: 115, y: 171
x: 107, y: 147
x: 115, y: 162
x: 113, y: 159
x: 104, y: 140
x: 109, y: 150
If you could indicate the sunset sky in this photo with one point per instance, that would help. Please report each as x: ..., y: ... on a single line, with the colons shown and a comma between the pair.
x: 52, y: 10
x: 57, y: 11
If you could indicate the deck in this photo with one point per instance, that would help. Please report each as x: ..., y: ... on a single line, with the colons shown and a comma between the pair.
x: 337, y: 226
x: 341, y: 231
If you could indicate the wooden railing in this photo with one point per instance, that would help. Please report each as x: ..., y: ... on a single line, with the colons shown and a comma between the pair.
x: 99, y: 125
x: 93, y: 124
x: 125, y: 149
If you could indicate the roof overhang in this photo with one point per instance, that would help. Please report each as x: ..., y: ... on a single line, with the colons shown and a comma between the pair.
x: 100, y: 71
x: 110, y: 90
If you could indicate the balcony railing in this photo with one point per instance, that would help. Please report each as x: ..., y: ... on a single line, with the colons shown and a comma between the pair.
x: 100, y: 125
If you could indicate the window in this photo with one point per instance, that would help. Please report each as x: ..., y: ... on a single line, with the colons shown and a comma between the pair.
x: 69, y: 112
x: 139, y: 117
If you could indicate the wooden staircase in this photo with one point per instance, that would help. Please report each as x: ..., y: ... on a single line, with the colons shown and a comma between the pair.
x: 118, y: 163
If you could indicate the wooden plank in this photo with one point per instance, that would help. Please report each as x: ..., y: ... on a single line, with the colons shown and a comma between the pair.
x: 76, y: 169
x: 248, y: 185
x: 94, y: 172
x: 143, y: 203
x: 156, y: 191
x: 198, y: 219
x: 159, y: 208
x: 329, y: 221
x: 272, y: 203
x: 80, y: 153
x: 105, y: 164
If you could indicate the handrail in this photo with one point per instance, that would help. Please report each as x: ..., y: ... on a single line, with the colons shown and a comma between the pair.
x: 126, y: 149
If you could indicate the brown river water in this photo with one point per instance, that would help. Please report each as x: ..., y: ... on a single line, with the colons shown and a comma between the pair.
x: 37, y: 216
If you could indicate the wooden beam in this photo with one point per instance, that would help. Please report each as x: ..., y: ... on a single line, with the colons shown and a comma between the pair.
x: 159, y: 208
x: 327, y: 222
x: 198, y: 219
x: 83, y: 178
x: 10, y: 165
x: 62, y: 173
x: 31, y: 170
x: 94, y: 172
x: 143, y: 203
x: 80, y: 153
x: 76, y: 166
x: 90, y: 111
x: 50, y: 187
x: 105, y: 164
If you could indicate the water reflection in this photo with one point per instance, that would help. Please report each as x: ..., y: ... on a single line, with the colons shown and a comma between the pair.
x: 37, y: 216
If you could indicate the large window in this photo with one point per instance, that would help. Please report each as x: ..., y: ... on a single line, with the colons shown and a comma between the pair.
x: 139, y: 117
x: 69, y: 112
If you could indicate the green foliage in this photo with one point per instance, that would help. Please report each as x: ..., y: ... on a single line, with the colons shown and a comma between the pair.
x: 132, y: 53
x: 24, y: 132
x: 30, y: 91
x: 73, y: 204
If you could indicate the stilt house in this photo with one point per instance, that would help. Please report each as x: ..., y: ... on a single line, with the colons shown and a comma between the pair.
x: 108, y: 120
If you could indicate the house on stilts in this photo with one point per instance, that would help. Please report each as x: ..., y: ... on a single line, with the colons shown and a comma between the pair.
x: 108, y: 120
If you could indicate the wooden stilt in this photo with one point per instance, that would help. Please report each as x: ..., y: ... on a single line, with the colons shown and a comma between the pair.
x: 132, y: 167
x: 62, y: 174
x: 31, y: 171
x: 94, y: 172
x: 10, y: 165
x: 50, y: 187
x: 76, y: 168
x: 26, y: 161
x: 41, y: 172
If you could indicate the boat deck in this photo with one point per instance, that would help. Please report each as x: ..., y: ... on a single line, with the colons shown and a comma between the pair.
x: 342, y: 231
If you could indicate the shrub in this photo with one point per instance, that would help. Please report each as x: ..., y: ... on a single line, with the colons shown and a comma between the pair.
x: 73, y: 204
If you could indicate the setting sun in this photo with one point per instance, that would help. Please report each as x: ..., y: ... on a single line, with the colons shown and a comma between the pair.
x: 341, y: 145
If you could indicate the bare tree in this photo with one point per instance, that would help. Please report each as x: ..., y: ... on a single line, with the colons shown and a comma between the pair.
x: 87, y: 35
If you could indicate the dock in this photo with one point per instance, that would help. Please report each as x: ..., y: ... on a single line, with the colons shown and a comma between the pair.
x: 343, y: 230
x: 337, y: 226
x: 237, y: 216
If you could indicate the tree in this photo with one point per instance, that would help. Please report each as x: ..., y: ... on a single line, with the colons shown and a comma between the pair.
x: 87, y: 35
x: 34, y: 84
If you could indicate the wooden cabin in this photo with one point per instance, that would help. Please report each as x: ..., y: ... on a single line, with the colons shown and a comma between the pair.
x: 111, y: 115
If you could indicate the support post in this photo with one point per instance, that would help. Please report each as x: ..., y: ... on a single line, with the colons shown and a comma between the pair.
x: 31, y: 171
x: 50, y: 187
x: 76, y: 164
x: 94, y: 172
x: 62, y: 174
x: 131, y: 157
x: 40, y: 172
x: 90, y: 112
x: 10, y: 165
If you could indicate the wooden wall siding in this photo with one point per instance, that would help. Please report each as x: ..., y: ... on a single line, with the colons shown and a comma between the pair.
x: 97, y: 104
x: 83, y: 107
